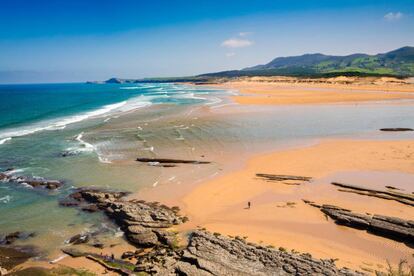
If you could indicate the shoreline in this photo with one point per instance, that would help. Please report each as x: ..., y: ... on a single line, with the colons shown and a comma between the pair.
x: 273, y: 219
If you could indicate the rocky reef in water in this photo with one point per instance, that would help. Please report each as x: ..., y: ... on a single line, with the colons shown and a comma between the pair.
x: 34, y: 182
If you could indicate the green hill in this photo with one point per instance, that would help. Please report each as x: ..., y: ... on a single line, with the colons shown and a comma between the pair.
x: 398, y: 63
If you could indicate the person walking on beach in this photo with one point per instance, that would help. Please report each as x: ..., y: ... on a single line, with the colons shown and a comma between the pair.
x: 248, y: 205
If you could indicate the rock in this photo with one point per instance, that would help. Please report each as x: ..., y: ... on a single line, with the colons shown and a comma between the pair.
x: 128, y: 255
x: 79, y: 239
x: 285, y: 179
x: 392, y: 194
x: 12, y: 237
x: 30, y: 181
x: 141, y: 221
x: 170, y: 161
x: 146, y: 224
x: 73, y: 252
x: 68, y: 202
x: 90, y: 208
x: 390, y: 227
x: 397, y: 129
x: 11, y: 257
x: 69, y: 153
x: 209, y: 254
x: 98, y: 245
x: 142, y: 236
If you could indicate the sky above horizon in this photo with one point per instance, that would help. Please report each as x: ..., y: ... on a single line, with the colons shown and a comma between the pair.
x: 79, y: 40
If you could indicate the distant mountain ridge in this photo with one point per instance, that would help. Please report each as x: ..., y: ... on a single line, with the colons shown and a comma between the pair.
x: 399, y: 62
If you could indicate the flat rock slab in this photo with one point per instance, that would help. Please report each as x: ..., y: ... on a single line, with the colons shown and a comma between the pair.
x: 390, y: 194
x: 397, y: 129
x: 285, y: 179
x: 390, y: 227
x: 170, y: 161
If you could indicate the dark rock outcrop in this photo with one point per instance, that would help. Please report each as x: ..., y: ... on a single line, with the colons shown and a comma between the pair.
x: 209, y: 254
x: 79, y: 239
x: 170, y: 161
x: 10, y: 257
x: 397, y: 129
x: 69, y: 153
x: 145, y: 223
x: 391, y: 194
x: 10, y: 238
x: 34, y: 182
x: 390, y: 227
x: 285, y: 179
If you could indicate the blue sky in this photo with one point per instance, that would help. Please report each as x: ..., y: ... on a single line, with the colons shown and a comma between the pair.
x: 78, y: 40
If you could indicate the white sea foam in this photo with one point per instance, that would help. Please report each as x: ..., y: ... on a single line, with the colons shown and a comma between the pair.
x: 5, y: 140
x: 10, y: 172
x: 5, y: 199
x: 187, y: 95
x: 103, y: 159
x: 85, y: 145
x: 137, y: 87
x: 59, y: 123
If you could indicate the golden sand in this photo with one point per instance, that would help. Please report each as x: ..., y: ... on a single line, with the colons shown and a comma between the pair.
x: 279, y: 91
x: 219, y: 205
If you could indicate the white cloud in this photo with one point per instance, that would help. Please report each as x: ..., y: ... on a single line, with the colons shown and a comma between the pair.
x: 230, y: 54
x: 393, y: 16
x: 245, y: 33
x: 236, y: 43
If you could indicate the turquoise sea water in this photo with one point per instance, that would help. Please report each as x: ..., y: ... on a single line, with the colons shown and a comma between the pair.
x: 25, y: 109
x: 40, y: 122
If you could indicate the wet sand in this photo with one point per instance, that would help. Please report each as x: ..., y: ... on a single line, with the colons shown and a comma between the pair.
x: 220, y: 205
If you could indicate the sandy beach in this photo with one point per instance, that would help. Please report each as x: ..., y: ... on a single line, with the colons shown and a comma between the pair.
x: 284, y: 90
x: 220, y: 205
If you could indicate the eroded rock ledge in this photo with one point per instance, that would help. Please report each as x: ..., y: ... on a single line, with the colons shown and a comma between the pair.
x: 390, y: 227
x: 285, y: 179
x: 146, y: 226
x: 145, y: 223
x: 212, y: 254
x: 391, y: 194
